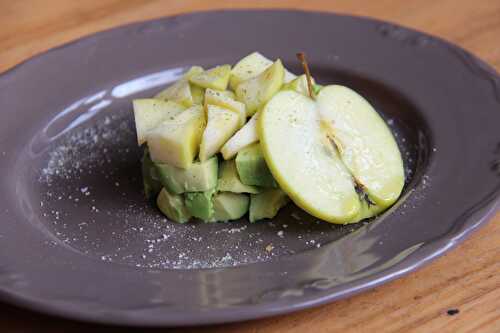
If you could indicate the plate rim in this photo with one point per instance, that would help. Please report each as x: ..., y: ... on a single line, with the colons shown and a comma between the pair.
x: 427, y: 253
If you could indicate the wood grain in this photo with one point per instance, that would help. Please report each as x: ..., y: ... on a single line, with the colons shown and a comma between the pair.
x: 466, y: 279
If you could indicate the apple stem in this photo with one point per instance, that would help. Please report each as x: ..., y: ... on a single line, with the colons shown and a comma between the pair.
x: 302, y: 58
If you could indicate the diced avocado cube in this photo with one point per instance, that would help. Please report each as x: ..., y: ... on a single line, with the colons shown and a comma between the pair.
x: 152, y: 184
x: 229, y: 206
x: 229, y: 181
x: 172, y: 205
x: 199, y: 177
x: 199, y: 204
x: 266, y: 204
x: 252, y: 167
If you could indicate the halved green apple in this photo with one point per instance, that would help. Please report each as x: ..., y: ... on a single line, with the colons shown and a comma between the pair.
x: 301, y: 160
x: 366, y: 145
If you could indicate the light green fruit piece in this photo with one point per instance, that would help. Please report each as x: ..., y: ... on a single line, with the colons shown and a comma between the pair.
x: 229, y: 206
x: 149, y: 113
x: 252, y: 167
x: 172, y: 206
x: 222, y: 124
x: 229, y: 181
x: 257, y: 91
x: 220, y: 98
x: 366, y: 211
x: 198, y: 94
x: 215, y: 78
x: 266, y: 204
x: 199, y: 177
x: 241, y: 139
x: 251, y: 66
x: 299, y: 85
x: 179, y: 92
x: 150, y: 178
x: 303, y: 160
x: 192, y: 71
x: 366, y: 144
x: 176, y: 142
x: 228, y: 93
x: 200, y: 204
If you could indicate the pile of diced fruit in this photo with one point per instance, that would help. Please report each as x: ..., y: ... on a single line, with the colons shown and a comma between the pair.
x: 209, y: 154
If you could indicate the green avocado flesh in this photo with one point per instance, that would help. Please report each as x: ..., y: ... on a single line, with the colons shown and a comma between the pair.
x: 152, y: 184
x: 200, y: 204
x: 172, y: 205
x: 265, y: 205
x: 252, y: 167
x: 199, y: 177
x: 229, y: 181
x: 229, y: 206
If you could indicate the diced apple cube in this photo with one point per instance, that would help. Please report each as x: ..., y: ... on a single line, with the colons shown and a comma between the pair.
x: 177, y: 141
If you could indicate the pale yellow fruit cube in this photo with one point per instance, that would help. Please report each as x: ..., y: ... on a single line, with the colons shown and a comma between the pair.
x: 220, y: 98
x: 150, y: 113
x: 198, y: 94
x: 176, y: 142
x: 257, y: 91
x: 179, y: 92
x: 221, y: 125
x: 215, y: 78
x: 194, y: 70
x: 241, y: 139
x: 251, y: 66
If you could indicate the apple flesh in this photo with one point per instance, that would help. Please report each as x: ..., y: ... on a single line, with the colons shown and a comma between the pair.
x: 176, y: 142
x: 222, y: 124
x: 257, y: 91
x: 251, y: 66
x: 149, y: 113
x: 224, y: 100
x: 366, y: 145
x: 215, y: 78
x: 311, y: 173
x: 241, y: 139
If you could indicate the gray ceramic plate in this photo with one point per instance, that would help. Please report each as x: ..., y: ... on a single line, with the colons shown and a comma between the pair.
x: 78, y: 240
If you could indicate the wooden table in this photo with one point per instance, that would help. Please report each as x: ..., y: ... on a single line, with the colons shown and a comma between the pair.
x: 467, y: 279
